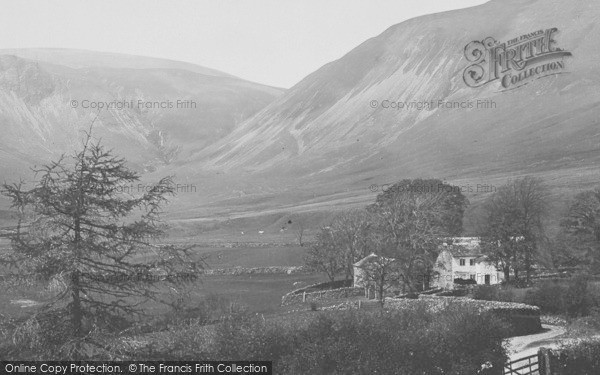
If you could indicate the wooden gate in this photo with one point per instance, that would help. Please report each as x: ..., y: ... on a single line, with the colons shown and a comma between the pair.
x: 523, y: 366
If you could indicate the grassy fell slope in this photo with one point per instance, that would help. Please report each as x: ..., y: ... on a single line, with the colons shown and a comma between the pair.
x: 322, y: 142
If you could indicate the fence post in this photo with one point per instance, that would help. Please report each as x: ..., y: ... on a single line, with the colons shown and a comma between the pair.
x: 359, y: 304
x: 304, y: 296
x: 544, y: 362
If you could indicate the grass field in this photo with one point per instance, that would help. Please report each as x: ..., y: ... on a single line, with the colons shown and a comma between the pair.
x: 259, y: 292
x: 264, y: 256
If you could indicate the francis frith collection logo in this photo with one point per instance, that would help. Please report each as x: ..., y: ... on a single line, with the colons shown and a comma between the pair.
x: 516, y: 62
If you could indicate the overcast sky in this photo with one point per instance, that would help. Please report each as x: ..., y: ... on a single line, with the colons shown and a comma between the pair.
x: 275, y: 42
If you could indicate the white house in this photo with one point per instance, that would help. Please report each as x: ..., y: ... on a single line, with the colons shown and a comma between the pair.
x: 461, y: 258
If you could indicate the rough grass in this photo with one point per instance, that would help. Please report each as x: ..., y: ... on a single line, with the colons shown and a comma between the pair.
x: 264, y: 256
x: 259, y: 292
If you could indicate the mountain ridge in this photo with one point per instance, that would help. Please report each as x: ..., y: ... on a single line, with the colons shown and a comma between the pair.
x: 46, y: 106
x: 307, y: 117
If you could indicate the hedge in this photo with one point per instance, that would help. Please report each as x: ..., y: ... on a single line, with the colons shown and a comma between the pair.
x: 577, y: 358
x: 524, y: 319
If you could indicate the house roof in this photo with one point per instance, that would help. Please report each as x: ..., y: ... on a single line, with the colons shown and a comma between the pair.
x: 463, y: 251
x: 368, y: 259
x: 462, y: 246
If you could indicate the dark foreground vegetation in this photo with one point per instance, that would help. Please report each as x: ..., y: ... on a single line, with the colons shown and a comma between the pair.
x: 572, y: 298
x: 452, y: 341
x: 582, y: 358
x: 412, y: 341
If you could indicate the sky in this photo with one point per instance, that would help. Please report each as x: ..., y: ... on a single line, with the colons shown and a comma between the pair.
x: 273, y: 42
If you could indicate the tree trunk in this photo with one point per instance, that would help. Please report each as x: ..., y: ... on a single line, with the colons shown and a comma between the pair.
x: 381, y: 289
x: 528, y: 264
x: 76, y: 314
x: 76, y: 311
x: 516, y: 266
x: 349, y: 270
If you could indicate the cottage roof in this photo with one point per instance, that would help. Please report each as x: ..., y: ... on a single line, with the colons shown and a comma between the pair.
x: 368, y: 259
x: 463, y: 251
x: 462, y: 246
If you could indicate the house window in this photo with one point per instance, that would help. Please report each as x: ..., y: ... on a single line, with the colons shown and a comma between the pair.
x: 462, y: 262
x: 472, y: 276
x: 471, y: 262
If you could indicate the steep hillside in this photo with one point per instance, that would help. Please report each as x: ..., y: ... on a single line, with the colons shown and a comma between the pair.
x: 155, y: 112
x: 326, y: 120
x: 330, y: 134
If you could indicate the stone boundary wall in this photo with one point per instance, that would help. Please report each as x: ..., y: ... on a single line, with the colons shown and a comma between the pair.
x: 256, y: 271
x: 483, y: 304
x: 233, y: 245
x: 294, y: 297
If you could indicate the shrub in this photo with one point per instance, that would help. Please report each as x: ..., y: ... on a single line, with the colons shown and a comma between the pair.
x: 508, y: 295
x: 495, y: 293
x: 577, y: 300
x: 585, y: 325
x: 458, y: 292
x: 549, y: 296
x: 243, y: 336
x: 575, y: 297
x: 582, y: 358
x: 459, y: 281
x: 404, y: 342
x: 518, y: 283
x: 521, y: 321
x: 486, y: 292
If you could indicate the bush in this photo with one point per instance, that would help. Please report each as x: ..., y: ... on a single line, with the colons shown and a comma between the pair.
x: 575, y: 297
x: 548, y: 296
x: 405, y: 342
x: 495, y: 293
x: 582, y: 358
x: 577, y: 300
x: 585, y: 326
x: 486, y: 293
x: 187, y: 311
x: 459, y: 281
x: 508, y: 295
x: 458, y: 292
x: 518, y: 283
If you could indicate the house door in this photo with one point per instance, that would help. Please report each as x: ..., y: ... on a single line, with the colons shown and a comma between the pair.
x: 487, y: 279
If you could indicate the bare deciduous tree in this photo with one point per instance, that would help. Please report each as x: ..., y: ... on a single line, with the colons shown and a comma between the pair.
x: 325, y: 255
x: 408, y: 229
x: 300, y: 228
x: 581, y: 225
x: 350, y: 231
x: 383, y: 273
x: 514, y: 229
